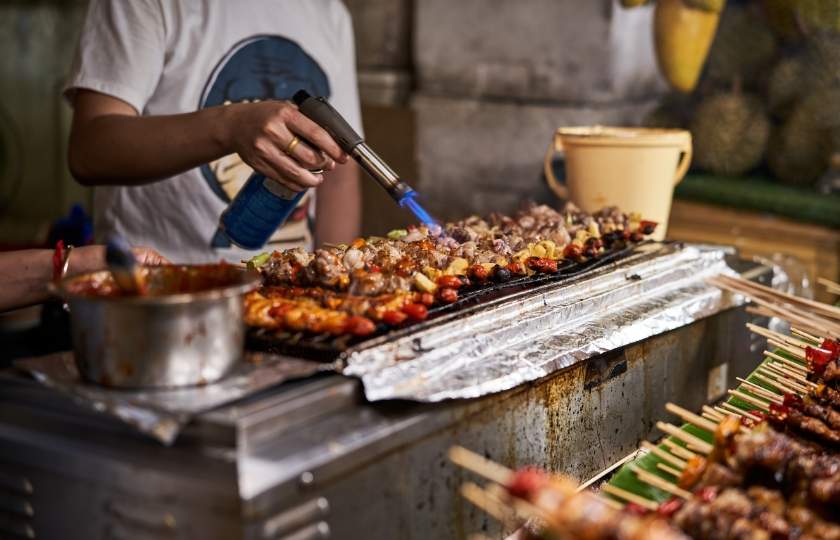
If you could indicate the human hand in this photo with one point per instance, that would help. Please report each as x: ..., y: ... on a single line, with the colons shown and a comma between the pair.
x: 263, y: 135
x: 148, y: 256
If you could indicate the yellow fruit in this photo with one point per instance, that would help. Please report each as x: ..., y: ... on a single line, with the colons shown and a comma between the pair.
x: 683, y: 36
x: 715, y: 6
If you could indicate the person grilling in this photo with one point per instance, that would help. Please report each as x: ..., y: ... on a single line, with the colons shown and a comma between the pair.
x: 177, y: 103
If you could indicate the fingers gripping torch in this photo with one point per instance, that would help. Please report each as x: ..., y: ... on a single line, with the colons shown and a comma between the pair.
x: 262, y: 204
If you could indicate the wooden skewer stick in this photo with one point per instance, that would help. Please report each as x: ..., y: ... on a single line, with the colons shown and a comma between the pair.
x: 678, y: 450
x: 761, y: 331
x: 662, y: 454
x: 803, y: 317
x: 816, y: 340
x: 630, y: 497
x: 657, y: 482
x: 760, y: 391
x: 690, y: 417
x: 803, y: 369
x: 826, y: 310
x: 713, y: 412
x: 796, y: 353
x: 787, y: 385
x: 710, y: 417
x: 790, y: 374
x: 477, y: 496
x: 740, y: 412
x: 612, y: 503
x: 831, y: 286
x: 779, y: 372
x: 750, y: 399
x: 480, y: 465
x: 668, y: 469
x: 701, y: 445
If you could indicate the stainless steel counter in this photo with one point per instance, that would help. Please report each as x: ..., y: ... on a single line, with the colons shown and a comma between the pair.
x: 314, y: 459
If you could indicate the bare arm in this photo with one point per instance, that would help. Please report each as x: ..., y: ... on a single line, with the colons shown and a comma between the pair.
x: 24, y: 275
x: 339, y: 206
x: 111, y: 144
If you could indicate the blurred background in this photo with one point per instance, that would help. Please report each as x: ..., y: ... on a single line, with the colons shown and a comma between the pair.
x: 462, y: 99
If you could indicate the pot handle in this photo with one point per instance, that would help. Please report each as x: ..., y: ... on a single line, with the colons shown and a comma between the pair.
x: 685, y: 159
x: 556, y: 145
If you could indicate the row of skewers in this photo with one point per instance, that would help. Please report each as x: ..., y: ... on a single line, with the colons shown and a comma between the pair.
x: 388, y: 282
x: 762, y: 465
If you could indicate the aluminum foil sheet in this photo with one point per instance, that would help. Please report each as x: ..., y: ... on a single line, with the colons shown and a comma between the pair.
x: 535, y: 334
x: 163, y: 413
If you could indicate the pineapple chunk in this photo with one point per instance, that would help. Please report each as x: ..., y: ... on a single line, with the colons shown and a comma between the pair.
x: 423, y: 283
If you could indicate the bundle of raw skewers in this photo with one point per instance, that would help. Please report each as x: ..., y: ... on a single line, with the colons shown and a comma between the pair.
x: 764, y: 464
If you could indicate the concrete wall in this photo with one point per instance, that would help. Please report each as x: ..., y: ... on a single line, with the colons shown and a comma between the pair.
x: 460, y: 97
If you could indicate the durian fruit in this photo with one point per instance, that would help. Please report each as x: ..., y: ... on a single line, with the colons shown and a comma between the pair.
x: 785, y: 85
x: 822, y: 60
x: 818, y: 15
x: 730, y: 132
x: 715, y: 6
x: 799, y: 151
x: 743, y: 48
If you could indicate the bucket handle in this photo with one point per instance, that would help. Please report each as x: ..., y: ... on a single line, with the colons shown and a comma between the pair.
x: 685, y: 158
x: 556, y: 145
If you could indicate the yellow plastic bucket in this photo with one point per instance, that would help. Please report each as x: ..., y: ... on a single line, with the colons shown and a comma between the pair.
x: 635, y: 169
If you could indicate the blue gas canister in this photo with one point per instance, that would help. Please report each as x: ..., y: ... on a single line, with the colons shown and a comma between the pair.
x: 260, y: 207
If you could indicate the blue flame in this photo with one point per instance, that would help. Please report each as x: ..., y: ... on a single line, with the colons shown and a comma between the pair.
x: 409, y: 200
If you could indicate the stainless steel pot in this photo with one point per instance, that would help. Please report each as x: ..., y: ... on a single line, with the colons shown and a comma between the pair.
x: 163, y: 340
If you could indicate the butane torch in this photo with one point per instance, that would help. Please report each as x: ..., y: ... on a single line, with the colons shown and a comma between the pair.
x: 262, y: 204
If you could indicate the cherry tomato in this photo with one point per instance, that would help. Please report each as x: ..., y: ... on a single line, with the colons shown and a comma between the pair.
x: 527, y: 482
x: 478, y: 272
x: 515, y: 268
x: 451, y: 282
x: 360, y: 326
x: 427, y: 299
x: 571, y: 251
x: 447, y: 295
x: 416, y: 312
x: 394, y: 318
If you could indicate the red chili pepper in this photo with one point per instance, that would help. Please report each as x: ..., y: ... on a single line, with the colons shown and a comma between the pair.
x: 635, y: 509
x: 394, y: 318
x: 778, y: 413
x: 374, y: 268
x: 447, y: 295
x: 831, y: 345
x: 707, y: 494
x: 417, y: 312
x: 359, y: 326
x: 451, y: 282
x: 647, y: 227
x: 669, y: 507
x: 792, y: 400
x: 817, y: 359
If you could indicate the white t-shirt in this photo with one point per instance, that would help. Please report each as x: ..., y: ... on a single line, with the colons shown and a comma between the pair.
x: 177, y: 56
